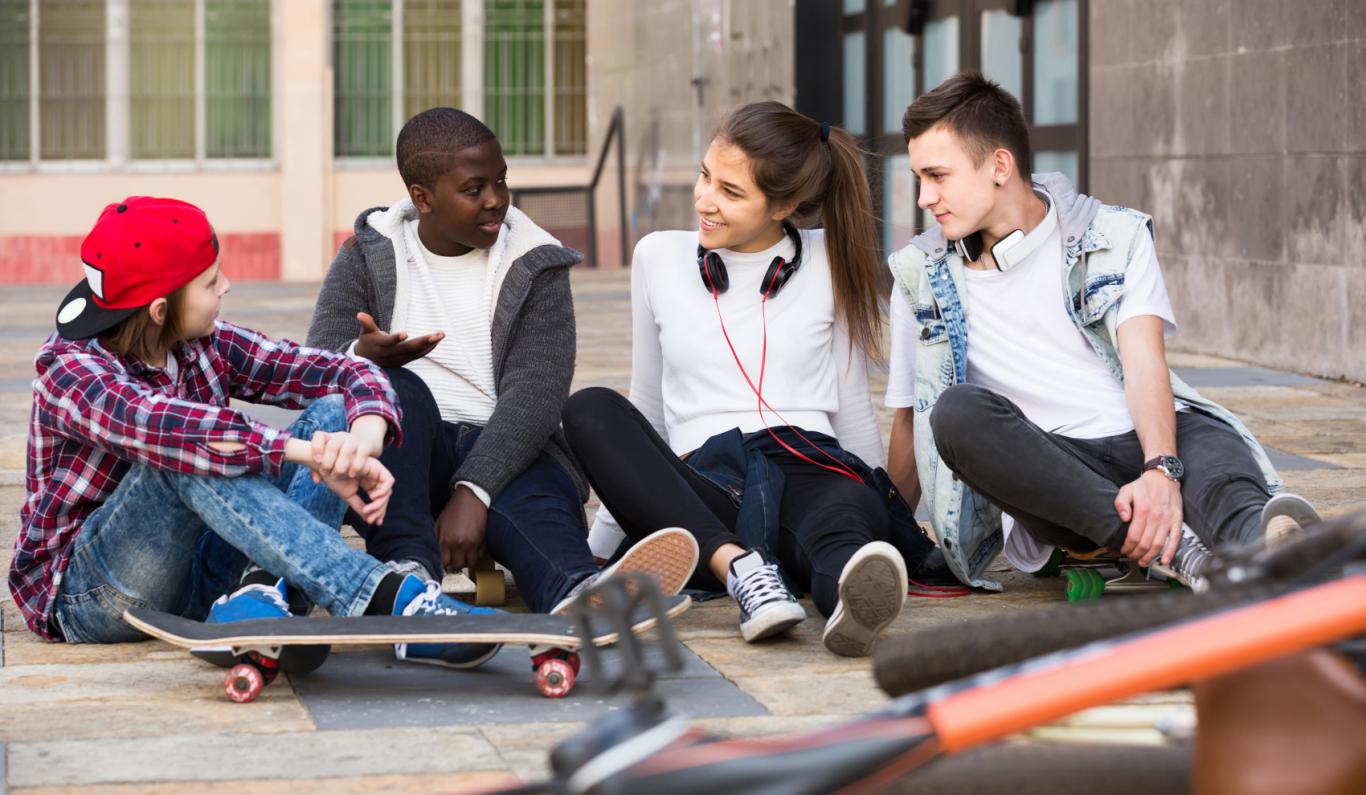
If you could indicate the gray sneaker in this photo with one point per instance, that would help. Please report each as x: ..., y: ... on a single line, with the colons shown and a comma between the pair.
x: 872, y: 591
x: 1284, y: 518
x: 1191, y: 563
x: 766, y: 606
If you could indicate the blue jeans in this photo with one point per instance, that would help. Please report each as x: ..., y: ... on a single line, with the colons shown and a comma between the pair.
x: 175, y: 542
x: 535, y: 526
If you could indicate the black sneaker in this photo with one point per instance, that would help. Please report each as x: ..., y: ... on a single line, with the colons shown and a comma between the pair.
x: 1191, y: 563
x: 766, y: 606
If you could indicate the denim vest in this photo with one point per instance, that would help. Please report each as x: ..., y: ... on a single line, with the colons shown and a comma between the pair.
x: 1098, y: 241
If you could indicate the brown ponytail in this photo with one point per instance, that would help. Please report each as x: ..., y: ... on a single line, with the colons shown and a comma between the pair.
x: 792, y: 165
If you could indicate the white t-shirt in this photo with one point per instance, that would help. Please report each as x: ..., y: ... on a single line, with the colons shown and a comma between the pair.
x: 1023, y: 345
x: 685, y: 381
x: 453, y: 295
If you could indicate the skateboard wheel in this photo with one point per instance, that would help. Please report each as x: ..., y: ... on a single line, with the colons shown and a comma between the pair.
x: 1097, y: 584
x: 243, y: 683
x: 267, y: 667
x: 555, y: 678
x: 1076, y: 586
x: 489, y: 584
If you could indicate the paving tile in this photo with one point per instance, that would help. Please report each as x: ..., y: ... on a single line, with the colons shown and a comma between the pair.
x: 1282, y: 461
x: 221, y: 757
x: 119, y: 700
x: 837, y: 694
x: 4, y: 779
x: 1241, y: 376
x: 372, y: 689
x: 446, y: 783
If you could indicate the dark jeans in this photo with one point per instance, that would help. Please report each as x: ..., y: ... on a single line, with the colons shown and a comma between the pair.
x: 535, y: 526
x: 823, y: 520
x: 1062, y: 490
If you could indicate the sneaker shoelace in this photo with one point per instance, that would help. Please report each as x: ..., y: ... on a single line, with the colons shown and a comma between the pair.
x: 761, y: 586
x: 428, y: 603
x: 1192, y: 556
x: 269, y: 592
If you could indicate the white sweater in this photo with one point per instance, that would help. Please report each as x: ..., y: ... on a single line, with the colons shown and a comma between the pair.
x: 685, y: 381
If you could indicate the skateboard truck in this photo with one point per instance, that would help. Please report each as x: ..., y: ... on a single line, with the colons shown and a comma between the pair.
x: 613, y: 607
x: 621, y: 739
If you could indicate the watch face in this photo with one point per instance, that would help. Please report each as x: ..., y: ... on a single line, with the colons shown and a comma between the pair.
x: 1172, y: 464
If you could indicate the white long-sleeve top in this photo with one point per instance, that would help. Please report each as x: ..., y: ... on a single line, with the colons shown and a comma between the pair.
x: 685, y: 381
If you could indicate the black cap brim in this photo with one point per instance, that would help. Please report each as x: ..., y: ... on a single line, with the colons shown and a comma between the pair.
x: 79, y: 317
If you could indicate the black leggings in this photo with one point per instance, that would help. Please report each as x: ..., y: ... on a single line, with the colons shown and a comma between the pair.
x: 824, y: 517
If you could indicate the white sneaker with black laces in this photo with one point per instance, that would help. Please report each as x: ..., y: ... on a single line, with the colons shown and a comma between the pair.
x: 872, y: 591
x: 1190, y: 563
x: 766, y: 606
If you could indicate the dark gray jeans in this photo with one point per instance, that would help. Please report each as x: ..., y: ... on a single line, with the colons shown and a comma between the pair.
x: 1062, y: 490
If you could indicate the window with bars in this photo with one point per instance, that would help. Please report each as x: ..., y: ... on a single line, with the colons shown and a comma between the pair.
x: 169, y: 80
x: 395, y: 58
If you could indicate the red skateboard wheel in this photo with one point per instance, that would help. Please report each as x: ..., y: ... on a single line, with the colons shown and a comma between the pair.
x: 555, y: 678
x: 243, y: 683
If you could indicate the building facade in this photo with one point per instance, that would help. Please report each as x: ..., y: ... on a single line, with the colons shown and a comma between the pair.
x: 1228, y: 120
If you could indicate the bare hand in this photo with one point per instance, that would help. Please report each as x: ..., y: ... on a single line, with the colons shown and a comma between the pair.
x: 460, y: 529
x: 341, y: 453
x: 392, y: 350
x: 373, y: 482
x: 1152, y: 507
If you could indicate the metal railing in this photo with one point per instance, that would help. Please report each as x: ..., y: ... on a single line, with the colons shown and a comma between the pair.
x: 553, y: 199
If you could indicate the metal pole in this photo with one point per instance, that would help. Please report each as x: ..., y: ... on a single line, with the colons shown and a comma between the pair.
x: 621, y: 185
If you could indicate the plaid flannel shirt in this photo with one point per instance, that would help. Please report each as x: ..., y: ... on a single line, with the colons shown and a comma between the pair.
x: 95, y: 413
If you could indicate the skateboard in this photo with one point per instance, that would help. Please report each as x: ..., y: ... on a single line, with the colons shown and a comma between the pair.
x: 553, y: 641
x: 1090, y: 576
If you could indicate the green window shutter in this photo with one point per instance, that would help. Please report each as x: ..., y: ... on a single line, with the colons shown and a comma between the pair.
x: 14, y: 80
x: 363, y: 82
x: 237, y: 75
x: 514, y: 74
x: 571, y: 77
x: 71, y: 89
x: 431, y: 55
x: 161, y: 79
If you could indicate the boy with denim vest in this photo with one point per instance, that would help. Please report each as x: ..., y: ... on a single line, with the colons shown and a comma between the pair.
x: 479, y: 346
x: 1034, y: 405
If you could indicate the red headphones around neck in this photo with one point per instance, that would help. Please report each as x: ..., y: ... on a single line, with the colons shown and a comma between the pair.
x: 780, y: 271
x: 717, y: 280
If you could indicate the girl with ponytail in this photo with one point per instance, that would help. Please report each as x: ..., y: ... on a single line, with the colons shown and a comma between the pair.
x: 749, y: 420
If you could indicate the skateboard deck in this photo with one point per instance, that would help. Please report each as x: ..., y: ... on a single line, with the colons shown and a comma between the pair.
x: 525, y: 629
x: 555, y: 667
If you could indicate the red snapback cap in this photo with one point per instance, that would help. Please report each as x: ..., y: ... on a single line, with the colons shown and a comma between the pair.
x: 141, y: 249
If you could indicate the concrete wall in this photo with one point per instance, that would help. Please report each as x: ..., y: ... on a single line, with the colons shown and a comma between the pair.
x: 676, y: 66
x: 1236, y: 124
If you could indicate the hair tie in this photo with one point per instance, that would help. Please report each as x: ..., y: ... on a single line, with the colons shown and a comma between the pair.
x: 825, y: 131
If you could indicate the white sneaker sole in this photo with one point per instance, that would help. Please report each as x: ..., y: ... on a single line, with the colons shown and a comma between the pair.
x: 775, y: 619
x: 872, y: 591
x: 1284, y: 518
x: 668, y: 555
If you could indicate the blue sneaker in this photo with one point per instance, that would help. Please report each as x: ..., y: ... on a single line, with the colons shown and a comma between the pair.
x: 251, y: 601
x: 418, y: 597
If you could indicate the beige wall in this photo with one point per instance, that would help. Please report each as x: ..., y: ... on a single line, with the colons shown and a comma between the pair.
x: 303, y: 196
x: 645, y: 57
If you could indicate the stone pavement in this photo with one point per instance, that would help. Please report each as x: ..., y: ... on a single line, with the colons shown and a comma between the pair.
x: 145, y: 717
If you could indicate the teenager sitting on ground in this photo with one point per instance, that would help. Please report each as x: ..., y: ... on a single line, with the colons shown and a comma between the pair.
x: 146, y: 489
x: 749, y: 420
x: 1029, y: 373
x: 465, y: 302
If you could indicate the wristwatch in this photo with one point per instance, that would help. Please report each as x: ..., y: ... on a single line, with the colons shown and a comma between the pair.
x: 1168, y: 465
